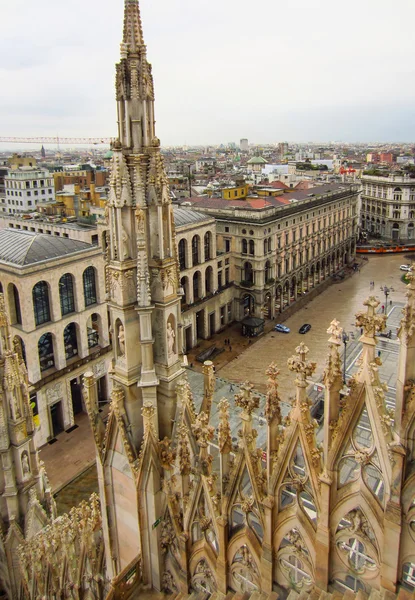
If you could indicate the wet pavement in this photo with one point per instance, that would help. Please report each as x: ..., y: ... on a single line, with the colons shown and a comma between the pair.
x: 341, y: 301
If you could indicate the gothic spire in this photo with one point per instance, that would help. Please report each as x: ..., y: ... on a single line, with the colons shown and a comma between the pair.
x: 132, y: 38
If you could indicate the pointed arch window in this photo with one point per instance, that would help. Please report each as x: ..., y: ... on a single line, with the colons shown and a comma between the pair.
x: 244, y: 571
x: 203, y: 526
x: 361, y: 458
x: 294, y: 562
x: 41, y: 307
x: 245, y: 512
x: 296, y: 486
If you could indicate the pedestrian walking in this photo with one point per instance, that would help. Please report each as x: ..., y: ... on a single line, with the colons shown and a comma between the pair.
x: 231, y: 387
x: 383, y: 308
x: 230, y: 348
x: 379, y: 353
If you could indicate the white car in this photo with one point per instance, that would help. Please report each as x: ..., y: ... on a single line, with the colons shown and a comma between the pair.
x: 405, y: 268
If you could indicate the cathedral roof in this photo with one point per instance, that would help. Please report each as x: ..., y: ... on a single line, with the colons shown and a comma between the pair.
x: 26, y: 247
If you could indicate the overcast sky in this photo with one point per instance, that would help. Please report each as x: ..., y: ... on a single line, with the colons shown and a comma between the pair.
x: 270, y: 70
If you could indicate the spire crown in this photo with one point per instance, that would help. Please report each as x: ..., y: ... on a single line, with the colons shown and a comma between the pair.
x: 132, y: 38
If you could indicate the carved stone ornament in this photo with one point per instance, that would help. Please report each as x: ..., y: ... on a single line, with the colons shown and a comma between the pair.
x: 246, y: 400
x: 120, y: 184
x: 224, y: 429
x: 202, y: 430
x: 184, y: 451
x: 272, y: 403
x: 299, y: 364
x: 371, y: 322
x: 54, y: 393
x: 336, y: 332
x: 167, y: 453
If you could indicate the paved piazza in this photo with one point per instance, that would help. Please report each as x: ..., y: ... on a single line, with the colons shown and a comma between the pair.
x: 341, y: 301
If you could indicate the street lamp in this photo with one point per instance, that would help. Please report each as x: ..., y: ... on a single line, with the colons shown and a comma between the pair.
x: 345, y: 339
x: 386, y: 290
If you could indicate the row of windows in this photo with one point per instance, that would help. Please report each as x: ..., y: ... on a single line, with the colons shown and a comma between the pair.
x: 40, y: 293
x: 223, y: 279
x: 41, y: 301
x: 46, y: 351
x: 20, y: 185
x: 196, y: 257
x: 29, y: 193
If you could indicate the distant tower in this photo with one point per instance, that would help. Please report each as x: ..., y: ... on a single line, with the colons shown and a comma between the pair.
x: 143, y: 288
x: 244, y: 145
x: 43, y: 152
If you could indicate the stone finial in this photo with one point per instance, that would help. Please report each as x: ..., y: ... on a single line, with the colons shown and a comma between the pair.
x: 246, y: 400
x: 209, y: 386
x: 224, y: 429
x: 202, y: 430
x: 298, y: 364
x: 333, y: 371
x: 335, y: 332
x: 272, y: 403
x: 371, y: 322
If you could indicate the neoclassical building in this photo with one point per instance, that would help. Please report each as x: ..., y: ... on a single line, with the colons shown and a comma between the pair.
x: 388, y: 206
x: 206, y: 277
x: 281, y: 248
x: 55, y: 298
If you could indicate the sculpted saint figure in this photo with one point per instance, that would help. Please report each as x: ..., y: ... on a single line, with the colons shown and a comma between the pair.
x: 121, y: 339
x: 25, y: 464
x: 170, y: 339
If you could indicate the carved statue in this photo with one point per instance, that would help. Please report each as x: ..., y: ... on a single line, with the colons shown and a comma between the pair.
x: 171, y: 336
x: 121, y: 339
x: 25, y: 464
x: 125, y: 244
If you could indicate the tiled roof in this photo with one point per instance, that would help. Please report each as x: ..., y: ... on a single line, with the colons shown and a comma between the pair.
x: 26, y: 247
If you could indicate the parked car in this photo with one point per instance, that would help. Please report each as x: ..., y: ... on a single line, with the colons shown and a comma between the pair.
x: 304, y: 328
x: 281, y: 328
x: 405, y: 268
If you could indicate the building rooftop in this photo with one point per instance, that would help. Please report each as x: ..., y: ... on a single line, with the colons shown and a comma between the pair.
x: 256, y: 160
x: 24, y: 248
x: 187, y: 216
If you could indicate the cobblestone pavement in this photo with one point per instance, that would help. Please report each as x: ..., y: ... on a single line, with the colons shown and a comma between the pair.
x: 341, y: 301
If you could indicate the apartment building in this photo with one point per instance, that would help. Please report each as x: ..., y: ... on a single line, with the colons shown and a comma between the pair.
x: 388, y: 206
x: 25, y: 187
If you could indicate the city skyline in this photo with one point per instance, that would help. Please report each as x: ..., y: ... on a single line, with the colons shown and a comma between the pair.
x: 221, y: 72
